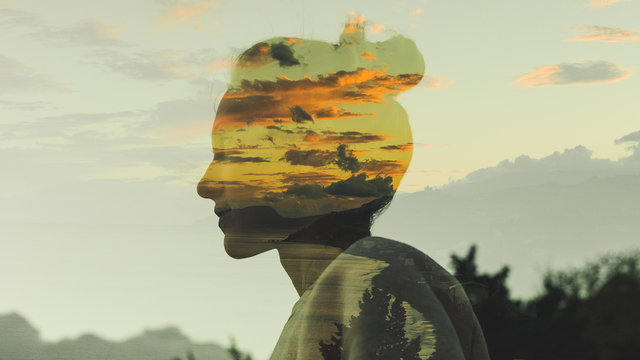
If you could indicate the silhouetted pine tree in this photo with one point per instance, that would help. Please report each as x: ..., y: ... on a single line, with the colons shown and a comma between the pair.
x: 378, y: 328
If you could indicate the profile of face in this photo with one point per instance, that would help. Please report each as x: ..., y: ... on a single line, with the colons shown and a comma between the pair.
x: 307, y: 129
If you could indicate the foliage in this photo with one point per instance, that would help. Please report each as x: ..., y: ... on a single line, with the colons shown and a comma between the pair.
x: 378, y: 330
x: 235, y: 353
x: 586, y: 313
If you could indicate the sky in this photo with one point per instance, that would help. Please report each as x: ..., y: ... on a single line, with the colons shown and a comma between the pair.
x: 106, y: 111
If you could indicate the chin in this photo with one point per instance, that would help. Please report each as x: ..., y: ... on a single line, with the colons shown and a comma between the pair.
x: 244, y: 246
x: 253, y: 230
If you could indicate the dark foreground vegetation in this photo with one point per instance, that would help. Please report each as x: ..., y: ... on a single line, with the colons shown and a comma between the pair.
x: 591, y: 313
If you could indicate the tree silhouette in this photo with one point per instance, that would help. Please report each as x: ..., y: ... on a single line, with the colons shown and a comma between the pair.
x: 378, y: 330
x: 235, y: 353
x: 590, y: 313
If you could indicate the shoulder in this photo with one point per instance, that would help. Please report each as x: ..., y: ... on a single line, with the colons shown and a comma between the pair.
x: 402, y: 256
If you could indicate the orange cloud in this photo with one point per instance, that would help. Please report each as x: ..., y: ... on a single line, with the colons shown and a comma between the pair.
x: 368, y: 56
x: 387, y: 167
x: 416, y: 11
x: 582, y: 72
x: 185, y: 11
x: 603, y: 3
x: 400, y: 147
x: 345, y: 137
x: 435, y: 83
x: 216, y: 65
x: 354, y: 23
x: 605, y: 34
x: 267, y: 102
x: 376, y: 28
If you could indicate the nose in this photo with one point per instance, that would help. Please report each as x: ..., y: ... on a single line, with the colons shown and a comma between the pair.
x: 208, y: 187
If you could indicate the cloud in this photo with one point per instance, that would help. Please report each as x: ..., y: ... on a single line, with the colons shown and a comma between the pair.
x: 582, y: 72
x: 309, y: 191
x: 562, y: 208
x: 309, y: 176
x: 375, y: 28
x: 368, y: 55
x: 399, y: 147
x: 265, y: 102
x: 162, y: 65
x: 278, y: 128
x: 25, y: 105
x: 605, y: 34
x: 230, y: 156
x: 570, y: 166
x: 435, y: 82
x: 282, y: 52
x: 345, y: 137
x: 12, y: 19
x: 385, y: 167
x: 16, y: 77
x: 176, y: 12
x: 315, y: 158
x: 634, y: 147
x: 416, y: 11
x: 298, y: 115
x: 88, y: 32
x: 359, y: 186
x: 603, y: 3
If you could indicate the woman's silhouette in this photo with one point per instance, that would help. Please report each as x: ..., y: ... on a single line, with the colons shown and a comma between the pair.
x: 309, y: 145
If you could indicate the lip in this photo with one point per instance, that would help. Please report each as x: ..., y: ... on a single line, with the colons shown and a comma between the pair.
x: 221, y: 211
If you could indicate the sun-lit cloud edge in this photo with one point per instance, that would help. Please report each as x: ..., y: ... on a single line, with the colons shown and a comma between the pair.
x: 602, y: 3
x: 604, y: 34
x: 567, y: 74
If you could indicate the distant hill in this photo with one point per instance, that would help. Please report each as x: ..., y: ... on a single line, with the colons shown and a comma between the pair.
x: 19, y: 340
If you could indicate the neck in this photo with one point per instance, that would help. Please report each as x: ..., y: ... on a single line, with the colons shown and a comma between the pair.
x: 305, y: 262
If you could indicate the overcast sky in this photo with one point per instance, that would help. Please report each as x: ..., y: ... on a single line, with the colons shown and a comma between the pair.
x: 105, y: 117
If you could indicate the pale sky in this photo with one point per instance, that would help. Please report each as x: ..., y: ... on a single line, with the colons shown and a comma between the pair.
x: 98, y: 99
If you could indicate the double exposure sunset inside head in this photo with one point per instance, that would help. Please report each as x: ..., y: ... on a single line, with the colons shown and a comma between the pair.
x: 308, y: 128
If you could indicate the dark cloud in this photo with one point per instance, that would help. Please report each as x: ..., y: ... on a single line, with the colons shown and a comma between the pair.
x: 352, y: 137
x: 344, y: 137
x: 386, y: 167
x: 298, y: 115
x: 399, y: 147
x: 230, y: 156
x: 308, y: 177
x: 309, y: 191
x: 316, y: 158
x: 276, y: 127
x: 359, y: 186
x: 346, y: 161
x: 269, y: 139
x: 333, y: 112
x: 271, y: 101
x: 634, y: 139
x: 272, y: 197
x: 283, y: 53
